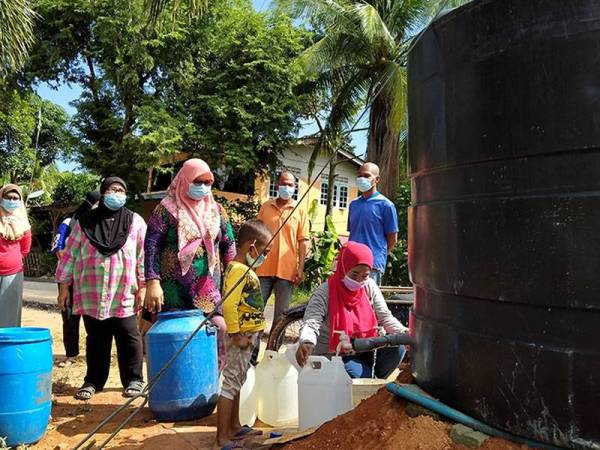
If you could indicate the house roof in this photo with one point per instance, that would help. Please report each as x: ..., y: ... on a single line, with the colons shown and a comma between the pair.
x: 351, y: 157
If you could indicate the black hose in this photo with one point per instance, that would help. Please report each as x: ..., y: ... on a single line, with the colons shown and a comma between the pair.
x: 391, y: 340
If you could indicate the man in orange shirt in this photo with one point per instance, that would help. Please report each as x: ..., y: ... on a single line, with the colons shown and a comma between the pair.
x: 284, y: 266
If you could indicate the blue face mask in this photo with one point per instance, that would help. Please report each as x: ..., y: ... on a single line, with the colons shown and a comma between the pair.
x: 10, y: 205
x: 114, y: 201
x: 198, y: 191
x: 286, y: 192
x: 363, y: 184
x: 255, y: 262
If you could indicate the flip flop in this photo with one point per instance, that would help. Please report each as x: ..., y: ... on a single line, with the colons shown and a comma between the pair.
x: 245, y: 432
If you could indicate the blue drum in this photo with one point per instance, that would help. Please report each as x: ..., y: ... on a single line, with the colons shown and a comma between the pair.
x: 189, y: 389
x: 25, y: 384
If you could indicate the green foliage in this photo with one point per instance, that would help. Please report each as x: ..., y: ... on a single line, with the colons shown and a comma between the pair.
x: 71, y: 188
x: 220, y: 86
x: 361, y: 57
x: 240, y: 84
x: 16, y: 34
x: 33, y: 133
x: 396, y: 273
x: 319, y: 263
x: 239, y: 211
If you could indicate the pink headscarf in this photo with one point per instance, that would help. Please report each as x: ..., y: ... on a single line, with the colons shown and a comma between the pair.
x: 198, y: 221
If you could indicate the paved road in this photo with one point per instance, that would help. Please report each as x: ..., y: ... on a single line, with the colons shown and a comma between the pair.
x: 41, y: 292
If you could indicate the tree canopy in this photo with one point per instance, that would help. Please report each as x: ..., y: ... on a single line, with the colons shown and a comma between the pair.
x: 33, y: 133
x: 220, y: 85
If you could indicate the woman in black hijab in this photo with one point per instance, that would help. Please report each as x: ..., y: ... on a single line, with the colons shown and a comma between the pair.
x: 104, y: 263
x: 70, y: 320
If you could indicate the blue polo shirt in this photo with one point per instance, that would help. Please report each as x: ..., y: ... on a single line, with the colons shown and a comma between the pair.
x: 370, y: 221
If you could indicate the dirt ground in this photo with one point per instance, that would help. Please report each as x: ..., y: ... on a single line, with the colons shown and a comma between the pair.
x: 381, y: 423
x: 73, y: 419
x: 377, y: 423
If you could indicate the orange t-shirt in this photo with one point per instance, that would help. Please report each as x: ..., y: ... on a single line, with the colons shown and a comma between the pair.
x: 282, y: 260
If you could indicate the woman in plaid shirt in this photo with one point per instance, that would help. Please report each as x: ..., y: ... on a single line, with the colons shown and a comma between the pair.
x: 104, y: 262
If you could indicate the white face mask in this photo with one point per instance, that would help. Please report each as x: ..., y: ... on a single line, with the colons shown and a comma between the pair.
x: 363, y: 184
x: 353, y: 285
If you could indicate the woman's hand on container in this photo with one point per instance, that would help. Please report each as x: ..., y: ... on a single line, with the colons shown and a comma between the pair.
x: 154, y: 296
x: 63, y: 296
x: 304, y: 351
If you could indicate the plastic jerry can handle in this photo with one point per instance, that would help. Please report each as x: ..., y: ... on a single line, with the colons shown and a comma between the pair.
x: 317, y: 362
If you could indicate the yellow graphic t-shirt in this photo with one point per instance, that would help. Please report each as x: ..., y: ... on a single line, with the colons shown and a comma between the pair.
x: 243, y: 310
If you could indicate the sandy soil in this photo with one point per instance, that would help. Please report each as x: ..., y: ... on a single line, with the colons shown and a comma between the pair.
x: 73, y: 419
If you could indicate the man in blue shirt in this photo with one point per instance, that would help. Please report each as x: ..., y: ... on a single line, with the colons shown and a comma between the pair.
x: 373, y: 219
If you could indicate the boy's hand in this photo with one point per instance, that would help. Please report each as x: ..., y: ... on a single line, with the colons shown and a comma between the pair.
x: 241, y: 340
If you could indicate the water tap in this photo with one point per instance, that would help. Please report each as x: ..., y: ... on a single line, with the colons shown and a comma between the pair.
x: 344, y: 343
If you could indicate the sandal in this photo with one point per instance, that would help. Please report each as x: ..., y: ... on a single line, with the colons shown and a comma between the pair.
x: 85, y: 392
x: 134, y: 388
x: 245, y: 432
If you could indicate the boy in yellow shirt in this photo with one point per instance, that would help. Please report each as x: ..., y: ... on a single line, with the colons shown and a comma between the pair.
x: 243, y: 311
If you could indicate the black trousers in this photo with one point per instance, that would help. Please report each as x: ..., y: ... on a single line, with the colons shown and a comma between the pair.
x: 99, y: 344
x: 70, y: 328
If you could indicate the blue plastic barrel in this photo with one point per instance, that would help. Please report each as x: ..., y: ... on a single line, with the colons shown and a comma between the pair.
x: 25, y: 384
x: 189, y: 389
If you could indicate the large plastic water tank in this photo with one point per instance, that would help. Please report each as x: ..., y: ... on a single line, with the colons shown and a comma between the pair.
x: 189, y: 389
x: 25, y: 384
x: 504, y: 145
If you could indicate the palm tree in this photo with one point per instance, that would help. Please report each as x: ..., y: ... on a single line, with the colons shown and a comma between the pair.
x: 156, y: 7
x: 16, y: 34
x: 366, y: 43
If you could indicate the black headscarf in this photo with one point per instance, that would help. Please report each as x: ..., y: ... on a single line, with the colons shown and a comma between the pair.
x: 91, y: 199
x: 107, y: 230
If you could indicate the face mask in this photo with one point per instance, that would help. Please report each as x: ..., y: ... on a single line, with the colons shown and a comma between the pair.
x: 198, y: 191
x: 10, y: 205
x: 363, y: 184
x: 114, y: 201
x: 286, y: 192
x: 353, y: 285
x: 255, y: 262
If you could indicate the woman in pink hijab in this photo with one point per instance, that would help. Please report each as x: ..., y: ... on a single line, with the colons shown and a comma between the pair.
x: 189, y: 236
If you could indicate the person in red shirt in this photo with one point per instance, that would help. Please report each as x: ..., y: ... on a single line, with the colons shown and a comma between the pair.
x: 15, y: 243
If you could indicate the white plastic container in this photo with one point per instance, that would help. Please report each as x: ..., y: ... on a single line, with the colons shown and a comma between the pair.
x: 324, y: 391
x: 290, y: 353
x: 277, y: 390
x: 248, y: 399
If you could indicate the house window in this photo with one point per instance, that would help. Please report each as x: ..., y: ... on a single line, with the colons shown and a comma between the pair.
x: 324, y: 188
x: 274, y: 186
x: 340, y: 195
x: 343, y: 198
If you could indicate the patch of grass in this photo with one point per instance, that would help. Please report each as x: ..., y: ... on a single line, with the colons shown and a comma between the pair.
x: 300, y: 296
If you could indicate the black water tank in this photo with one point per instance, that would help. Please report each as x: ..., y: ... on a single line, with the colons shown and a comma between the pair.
x: 504, y: 229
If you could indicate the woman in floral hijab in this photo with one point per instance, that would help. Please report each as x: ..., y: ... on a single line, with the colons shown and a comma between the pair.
x: 189, y: 235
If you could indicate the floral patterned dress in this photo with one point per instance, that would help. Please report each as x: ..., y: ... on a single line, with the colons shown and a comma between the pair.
x: 197, y: 288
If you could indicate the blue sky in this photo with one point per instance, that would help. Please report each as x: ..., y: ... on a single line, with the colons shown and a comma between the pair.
x: 65, y: 94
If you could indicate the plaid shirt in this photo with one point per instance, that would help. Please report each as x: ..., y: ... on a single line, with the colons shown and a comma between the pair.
x: 104, y: 286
